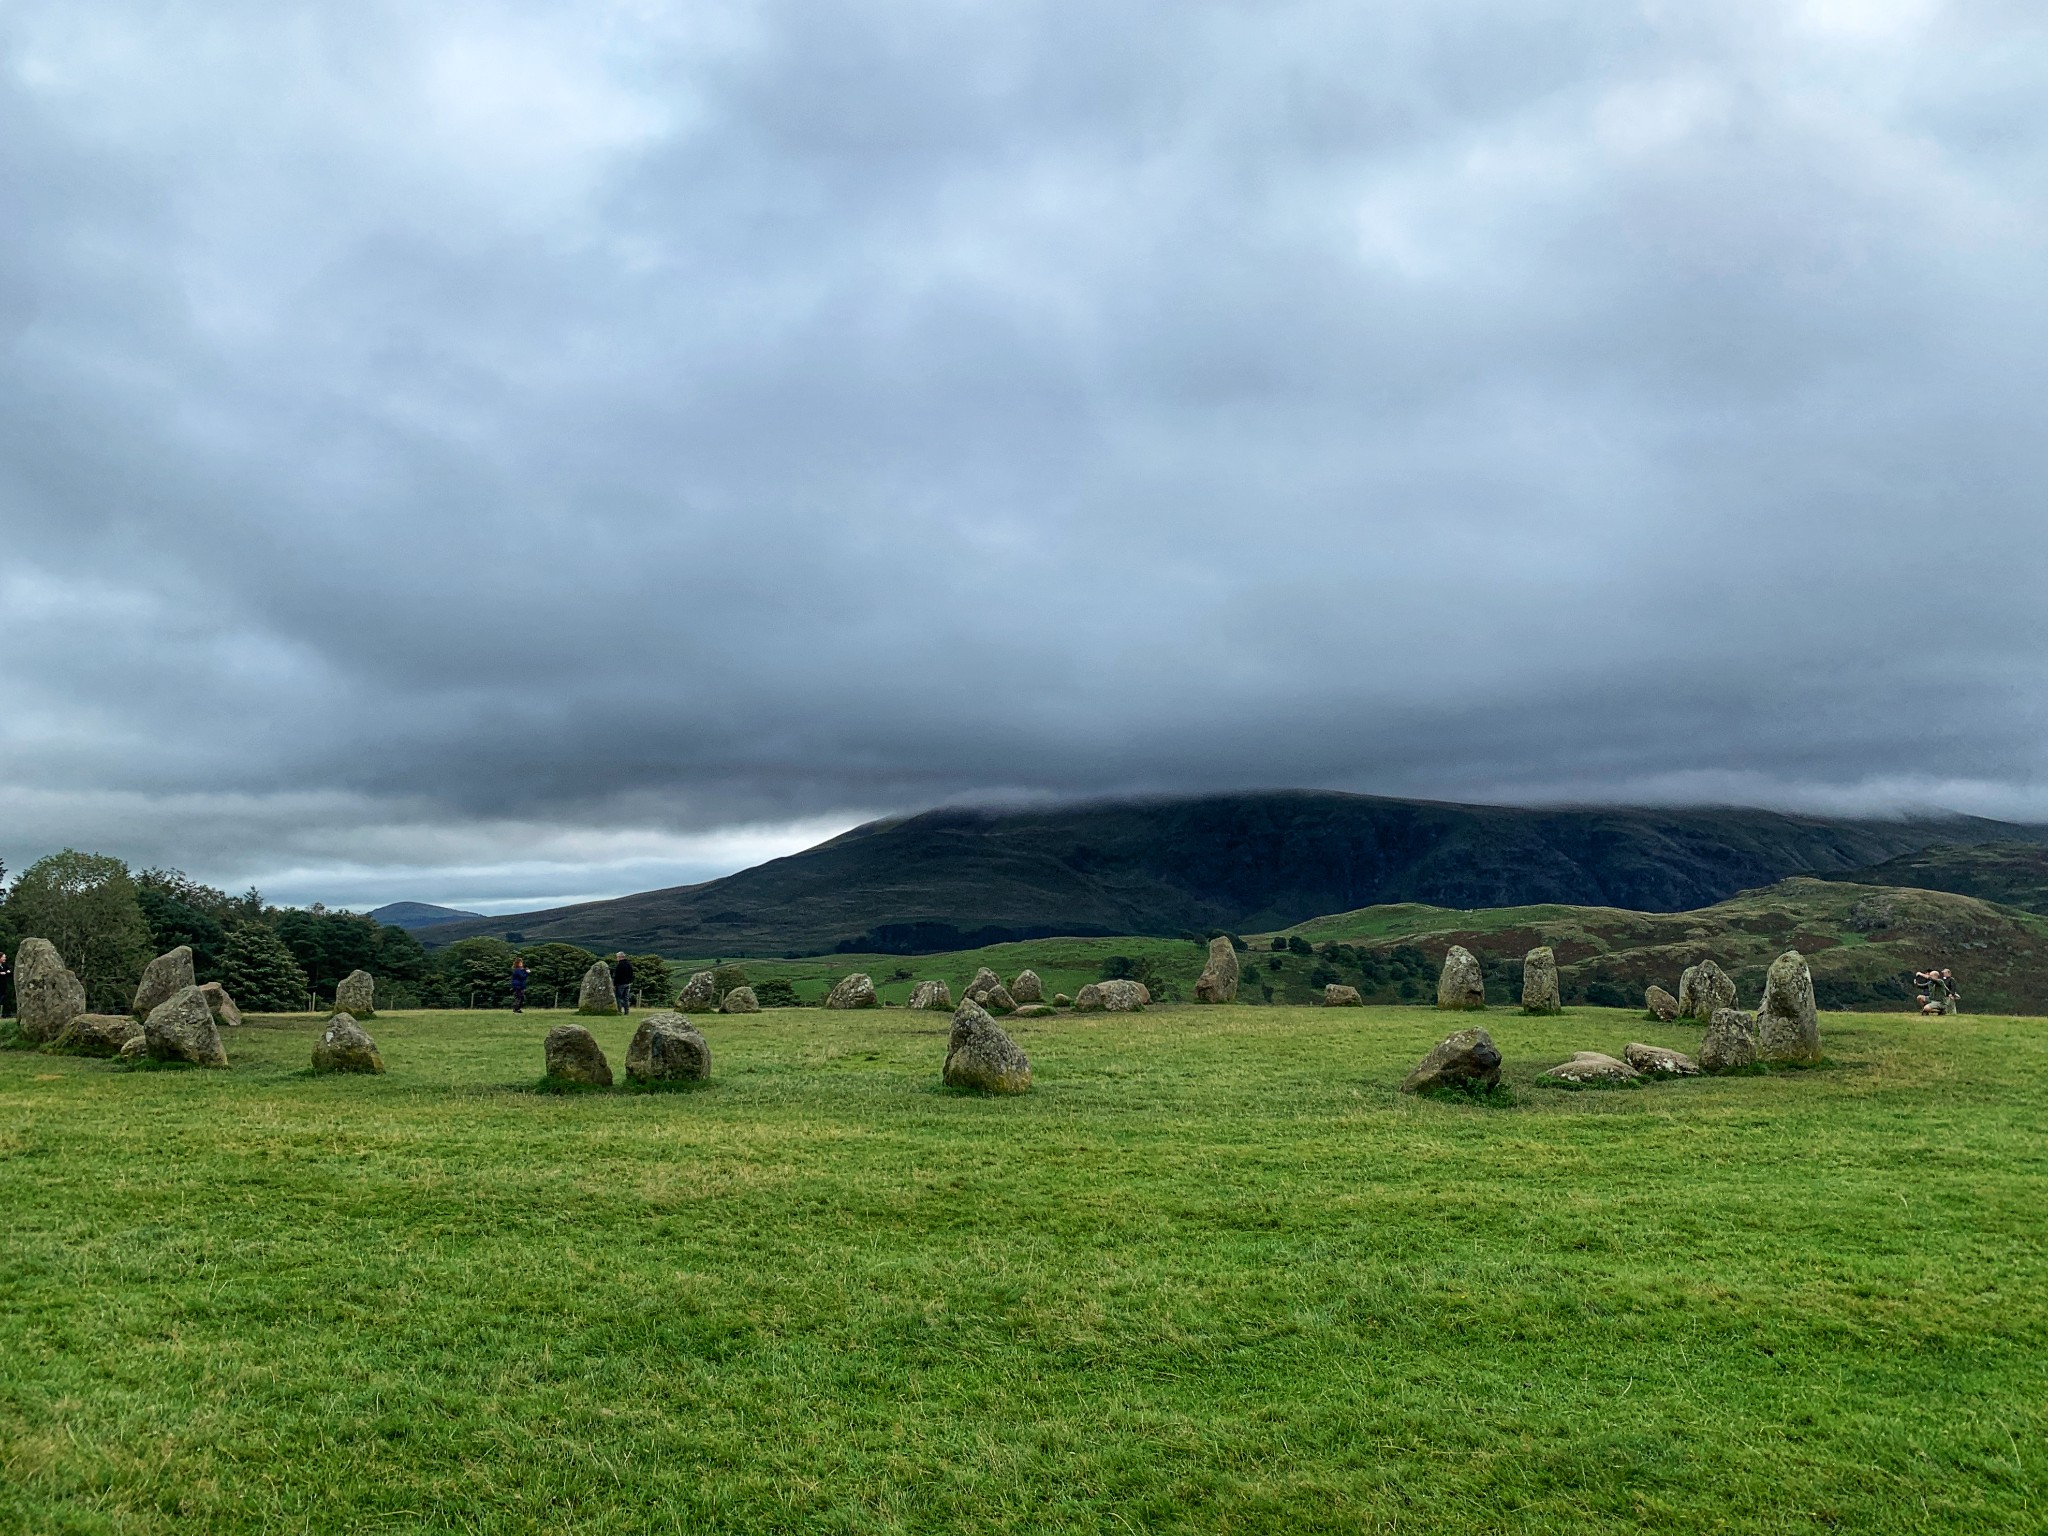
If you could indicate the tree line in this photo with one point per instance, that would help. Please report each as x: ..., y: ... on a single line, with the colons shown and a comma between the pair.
x: 108, y: 922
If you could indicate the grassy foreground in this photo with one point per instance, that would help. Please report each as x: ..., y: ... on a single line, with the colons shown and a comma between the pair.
x: 1212, y: 1274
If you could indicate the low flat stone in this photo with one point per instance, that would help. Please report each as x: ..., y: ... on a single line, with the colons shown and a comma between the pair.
x: 1661, y: 1003
x: 356, y: 995
x: 135, y: 1050
x: 667, y: 1048
x: 1338, y: 996
x: 1465, y: 1059
x: 1061, y: 1000
x: 1588, y: 1067
x: 740, y: 1000
x: 1656, y: 1061
x: 980, y: 1057
x: 1730, y: 1041
x: 931, y: 994
x: 345, y: 1046
x: 854, y: 991
x: 164, y: 978
x: 225, y: 1013
x: 182, y: 1029
x: 573, y: 1056
x: 1033, y: 1010
x: 99, y: 1034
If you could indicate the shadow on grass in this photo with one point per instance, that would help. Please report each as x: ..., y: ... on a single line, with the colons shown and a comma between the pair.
x: 1494, y: 1096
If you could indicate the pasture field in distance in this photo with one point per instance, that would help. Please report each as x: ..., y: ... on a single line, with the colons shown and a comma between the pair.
x: 1212, y: 1273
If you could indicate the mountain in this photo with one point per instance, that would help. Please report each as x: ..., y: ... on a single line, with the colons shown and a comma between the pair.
x: 2014, y: 874
x: 959, y: 878
x: 420, y: 914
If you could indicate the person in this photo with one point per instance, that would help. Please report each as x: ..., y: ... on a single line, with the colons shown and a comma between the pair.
x: 4, y: 974
x: 520, y: 977
x: 1952, y: 995
x: 1935, y: 999
x: 622, y: 981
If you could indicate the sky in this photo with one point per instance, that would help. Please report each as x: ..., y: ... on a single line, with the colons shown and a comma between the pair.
x: 498, y: 454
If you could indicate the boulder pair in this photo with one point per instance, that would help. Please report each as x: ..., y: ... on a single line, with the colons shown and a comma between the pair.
x: 665, y: 1048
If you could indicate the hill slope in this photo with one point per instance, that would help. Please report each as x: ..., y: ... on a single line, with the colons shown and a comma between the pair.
x: 419, y: 914
x: 2012, y: 874
x: 954, y: 879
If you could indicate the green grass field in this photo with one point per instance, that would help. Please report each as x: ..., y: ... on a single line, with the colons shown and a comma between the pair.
x: 1212, y: 1274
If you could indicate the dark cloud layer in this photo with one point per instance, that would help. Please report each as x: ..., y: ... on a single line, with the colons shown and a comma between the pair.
x: 499, y: 450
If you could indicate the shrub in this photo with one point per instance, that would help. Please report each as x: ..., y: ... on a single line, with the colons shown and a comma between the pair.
x: 725, y: 977
x: 1300, y: 946
x: 777, y: 993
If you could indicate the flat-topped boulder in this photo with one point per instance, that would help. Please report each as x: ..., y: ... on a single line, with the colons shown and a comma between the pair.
x: 1027, y: 988
x: 667, y: 1048
x: 356, y: 995
x: 1033, y: 1010
x: 1660, y: 1004
x: 981, y: 1057
x: 1589, y: 1068
x: 181, y: 1028
x: 700, y: 991
x: 1657, y: 1061
x: 931, y: 994
x: 854, y: 991
x: 345, y: 1046
x: 164, y: 978
x: 573, y: 1055
x: 1219, y: 978
x: 1787, y: 1027
x: 1337, y: 995
x: 225, y: 1013
x: 1462, y: 986
x: 1116, y: 996
x: 99, y: 1034
x: 595, y: 996
x: 740, y: 999
x: 1539, y: 981
x: 47, y: 996
x: 1467, y: 1059
x: 1730, y: 1041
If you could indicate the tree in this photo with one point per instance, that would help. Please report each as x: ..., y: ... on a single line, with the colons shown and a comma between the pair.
x: 172, y: 922
x: 652, y: 980
x: 555, y: 972
x: 85, y: 904
x: 329, y: 945
x: 260, y: 973
x: 400, y: 956
x: 472, y: 973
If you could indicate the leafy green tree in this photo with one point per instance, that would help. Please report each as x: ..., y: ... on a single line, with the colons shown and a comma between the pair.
x: 85, y: 904
x: 172, y: 922
x: 777, y: 992
x: 555, y: 972
x: 472, y: 973
x: 653, y: 982
x: 400, y: 956
x: 260, y: 973
x: 328, y: 945
x: 725, y: 977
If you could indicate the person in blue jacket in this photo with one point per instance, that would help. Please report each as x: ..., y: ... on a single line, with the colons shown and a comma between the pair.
x: 520, y: 977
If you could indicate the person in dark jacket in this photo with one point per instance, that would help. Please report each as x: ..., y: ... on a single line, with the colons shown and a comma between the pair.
x: 622, y: 982
x: 6, y: 971
x: 520, y: 977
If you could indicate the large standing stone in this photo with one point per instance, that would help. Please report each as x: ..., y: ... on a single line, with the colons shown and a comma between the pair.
x: 1338, y: 996
x: 1539, y: 981
x: 1685, y: 981
x: 740, y: 999
x: 596, y: 996
x: 1027, y: 988
x: 1462, y: 985
x: 356, y: 995
x: 700, y: 991
x: 167, y: 975
x: 1218, y: 981
x: 1119, y: 996
x: 1711, y: 990
x: 225, y: 1013
x: 1656, y: 1061
x: 181, y: 1029
x: 931, y: 994
x: 1464, y: 1060
x: 985, y: 980
x: 345, y: 1046
x: 573, y: 1056
x: 1730, y: 1041
x: 855, y: 991
x: 981, y: 1057
x: 666, y: 1048
x: 1787, y: 1028
x: 46, y: 995
x: 1661, y: 1003
x: 99, y: 1034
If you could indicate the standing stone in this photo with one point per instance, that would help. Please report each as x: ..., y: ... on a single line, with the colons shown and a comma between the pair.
x: 1685, y: 981
x: 225, y: 1013
x: 1711, y: 990
x: 666, y: 1048
x: 1589, y: 1067
x: 596, y: 996
x: 979, y: 1056
x: 1464, y: 1060
x: 1462, y: 985
x: 1656, y: 1061
x: 1335, y: 996
x: 740, y: 999
x: 344, y: 1046
x: 181, y: 1029
x: 1539, y: 981
x: 932, y: 994
x: 1218, y: 981
x: 1730, y: 1041
x: 136, y: 1049
x: 99, y: 1034
x: 1119, y: 996
x: 46, y: 995
x: 1661, y: 1003
x: 996, y: 999
x: 573, y: 1056
x: 1027, y: 988
x: 167, y: 975
x: 356, y: 995
x: 700, y: 991
x: 855, y: 991
x: 985, y: 980
x: 1787, y: 1028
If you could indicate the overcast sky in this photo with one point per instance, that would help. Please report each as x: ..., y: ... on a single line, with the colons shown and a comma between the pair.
x: 498, y: 453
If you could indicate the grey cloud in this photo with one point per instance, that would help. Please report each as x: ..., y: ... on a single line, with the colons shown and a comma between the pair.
x: 542, y: 417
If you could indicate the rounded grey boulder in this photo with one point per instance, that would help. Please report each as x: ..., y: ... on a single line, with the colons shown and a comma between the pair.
x: 1730, y: 1041
x: 46, y: 995
x: 931, y: 994
x: 182, y: 1029
x: 1462, y: 986
x: 1656, y: 1061
x: 1661, y: 1003
x: 595, y: 996
x: 667, y: 1048
x: 1027, y: 988
x: 99, y: 1034
x: 1219, y: 978
x: 740, y: 1000
x: 1338, y: 996
x: 356, y: 995
x: 981, y: 1057
x: 344, y: 1046
x: 1539, y: 981
x: 1588, y: 1068
x: 1787, y: 1028
x: 855, y: 991
x: 700, y: 991
x: 1711, y: 991
x: 166, y: 976
x: 1117, y: 996
x: 573, y: 1056
x: 1467, y: 1059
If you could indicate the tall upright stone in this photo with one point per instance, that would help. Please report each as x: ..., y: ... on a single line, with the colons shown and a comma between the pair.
x: 46, y: 995
x: 356, y: 995
x: 1685, y: 980
x: 1711, y: 990
x: 981, y: 1057
x: 181, y: 1028
x: 596, y: 996
x: 1787, y: 1026
x: 1462, y: 986
x: 1219, y: 978
x: 1027, y: 988
x: 167, y: 975
x: 1539, y: 981
x: 699, y: 992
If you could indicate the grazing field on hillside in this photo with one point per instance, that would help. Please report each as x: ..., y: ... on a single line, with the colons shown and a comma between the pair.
x: 1213, y: 1273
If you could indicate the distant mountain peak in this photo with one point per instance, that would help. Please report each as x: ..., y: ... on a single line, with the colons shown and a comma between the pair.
x: 419, y: 914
